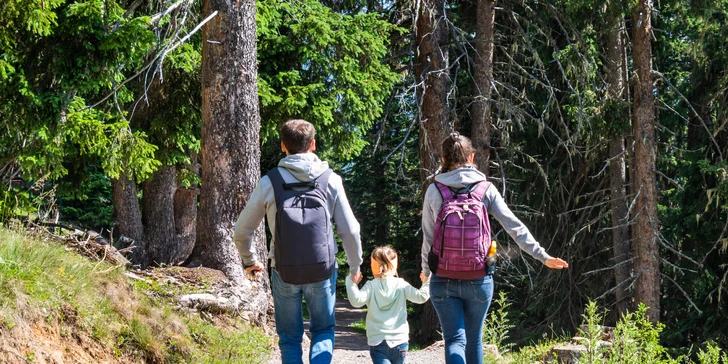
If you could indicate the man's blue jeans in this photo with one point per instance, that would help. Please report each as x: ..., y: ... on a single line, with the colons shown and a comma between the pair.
x: 383, y: 354
x: 321, y: 300
x: 461, y: 306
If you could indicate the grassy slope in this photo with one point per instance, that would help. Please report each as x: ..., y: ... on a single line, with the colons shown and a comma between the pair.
x: 71, y: 306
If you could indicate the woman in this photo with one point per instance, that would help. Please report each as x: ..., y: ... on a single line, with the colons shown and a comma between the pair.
x: 462, y: 303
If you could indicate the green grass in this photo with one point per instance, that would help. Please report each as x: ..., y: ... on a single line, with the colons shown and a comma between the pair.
x: 42, y: 283
x: 360, y: 325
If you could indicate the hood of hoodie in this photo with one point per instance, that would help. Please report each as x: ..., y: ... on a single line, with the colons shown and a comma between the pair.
x: 305, y: 166
x: 461, y: 177
x: 385, y: 292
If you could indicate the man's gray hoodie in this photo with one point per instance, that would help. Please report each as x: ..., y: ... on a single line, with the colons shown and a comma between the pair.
x: 494, y: 204
x: 303, y: 167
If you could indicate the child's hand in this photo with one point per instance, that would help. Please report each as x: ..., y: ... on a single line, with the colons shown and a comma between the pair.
x: 356, y: 278
x: 423, y: 277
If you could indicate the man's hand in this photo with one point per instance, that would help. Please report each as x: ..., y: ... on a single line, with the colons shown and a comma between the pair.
x: 556, y: 263
x: 255, y: 270
x: 423, y: 277
x: 356, y: 278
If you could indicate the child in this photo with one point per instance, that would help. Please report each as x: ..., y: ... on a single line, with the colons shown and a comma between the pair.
x: 386, y: 297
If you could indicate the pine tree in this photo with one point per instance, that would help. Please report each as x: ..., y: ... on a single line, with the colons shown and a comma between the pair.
x: 646, y: 229
x: 230, y: 152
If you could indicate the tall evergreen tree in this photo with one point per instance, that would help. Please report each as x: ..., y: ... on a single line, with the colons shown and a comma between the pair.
x: 432, y: 75
x: 646, y: 229
x: 615, y: 75
x: 480, y: 114
x: 230, y: 152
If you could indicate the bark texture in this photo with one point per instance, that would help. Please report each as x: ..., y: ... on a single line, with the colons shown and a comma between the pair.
x: 617, y: 167
x: 433, y: 80
x: 480, y: 110
x: 185, y: 222
x: 128, y: 217
x: 646, y: 229
x: 158, y: 216
x: 230, y: 152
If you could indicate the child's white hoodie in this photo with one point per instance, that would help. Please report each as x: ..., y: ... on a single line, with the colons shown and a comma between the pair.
x: 386, y: 299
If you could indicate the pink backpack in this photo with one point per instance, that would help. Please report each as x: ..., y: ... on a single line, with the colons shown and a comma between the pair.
x: 462, y: 233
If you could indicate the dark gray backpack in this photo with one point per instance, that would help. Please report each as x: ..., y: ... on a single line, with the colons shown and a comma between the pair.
x: 304, y: 242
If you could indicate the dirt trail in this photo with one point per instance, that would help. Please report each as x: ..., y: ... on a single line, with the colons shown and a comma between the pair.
x: 350, y: 345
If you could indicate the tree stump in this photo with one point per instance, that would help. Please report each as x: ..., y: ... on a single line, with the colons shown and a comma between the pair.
x: 566, y: 353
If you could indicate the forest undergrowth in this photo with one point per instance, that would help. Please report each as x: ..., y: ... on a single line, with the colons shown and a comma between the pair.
x: 634, y: 340
x: 58, y: 306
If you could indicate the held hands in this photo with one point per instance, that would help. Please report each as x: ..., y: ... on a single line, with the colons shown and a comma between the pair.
x: 423, y: 277
x: 556, y: 263
x: 356, y: 278
x: 255, y: 270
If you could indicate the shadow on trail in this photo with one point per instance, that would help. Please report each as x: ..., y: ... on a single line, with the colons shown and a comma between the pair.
x: 347, y: 338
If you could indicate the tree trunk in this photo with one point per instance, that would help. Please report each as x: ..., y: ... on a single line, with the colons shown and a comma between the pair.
x: 617, y: 166
x: 480, y: 111
x: 185, y: 219
x: 432, y: 76
x: 645, y: 246
x: 230, y: 133
x: 128, y: 217
x: 158, y: 216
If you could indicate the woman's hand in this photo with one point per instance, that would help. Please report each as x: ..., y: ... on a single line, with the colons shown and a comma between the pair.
x: 423, y: 277
x: 556, y: 263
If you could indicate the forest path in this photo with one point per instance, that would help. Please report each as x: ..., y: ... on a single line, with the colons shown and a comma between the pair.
x: 350, y: 345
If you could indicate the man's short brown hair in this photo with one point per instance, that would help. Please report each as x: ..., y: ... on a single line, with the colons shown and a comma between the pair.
x: 297, y: 135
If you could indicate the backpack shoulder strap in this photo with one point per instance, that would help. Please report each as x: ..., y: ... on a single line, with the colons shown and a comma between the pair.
x: 480, y: 189
x: 277, y: 181
x: 322, y: 182
x: 445, y: 191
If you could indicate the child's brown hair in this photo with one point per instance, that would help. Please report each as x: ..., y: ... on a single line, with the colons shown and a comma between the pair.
x: 386, y: 258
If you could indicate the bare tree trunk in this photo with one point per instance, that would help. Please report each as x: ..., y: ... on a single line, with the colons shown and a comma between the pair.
x: 433, y: 80
x: 230, y: 133
x: 645, y: 246
x: 617, y: 167
x: 158, y: 216
x: 185, y: 218
x: 128, y: 217
x: 480, y: 111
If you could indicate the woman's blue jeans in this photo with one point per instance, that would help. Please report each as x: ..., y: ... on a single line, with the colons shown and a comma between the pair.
x: 461, y: 306
x: 321, y: 300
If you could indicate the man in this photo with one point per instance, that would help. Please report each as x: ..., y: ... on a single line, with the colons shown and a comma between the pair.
x: 300, y: 167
